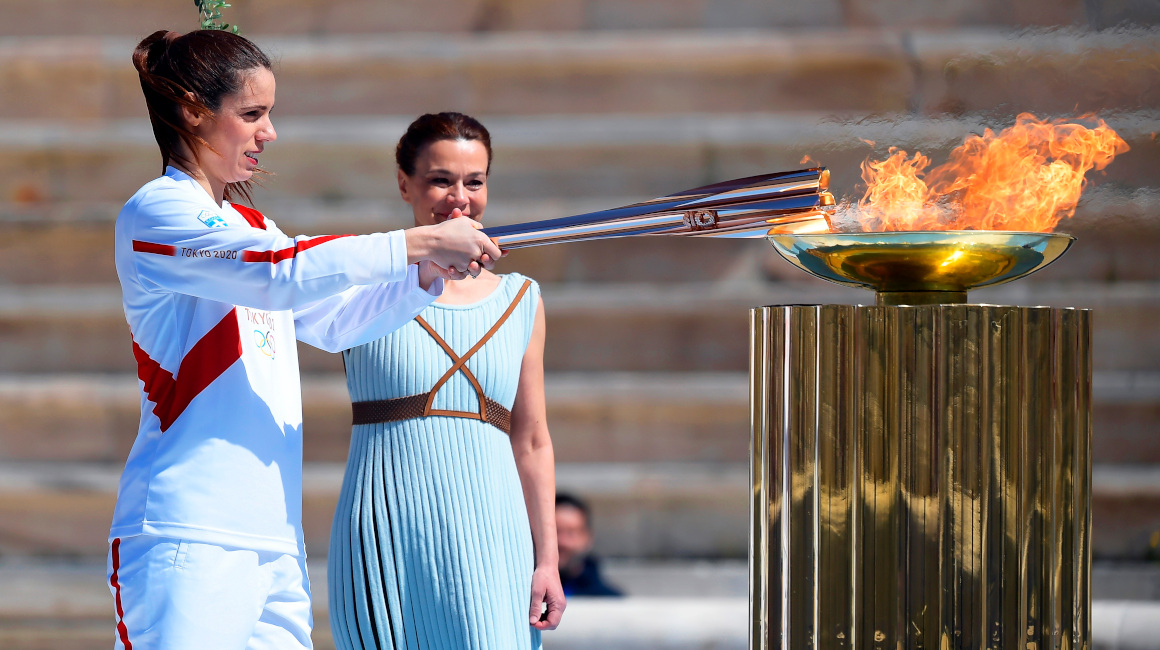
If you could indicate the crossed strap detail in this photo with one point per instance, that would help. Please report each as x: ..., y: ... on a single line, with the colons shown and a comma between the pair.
x: 406, y: 408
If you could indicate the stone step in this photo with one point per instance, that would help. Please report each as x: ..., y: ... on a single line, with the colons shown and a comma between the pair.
x: 614, y: 327
x: 596, y: 417
x: 640, y: 510
x: 62, y: 605
x: 638, y: 327
x: 697, y: 622
x: 456, y: 17
x: 345, y: 164
x: 73, y: 589
x: 870, y: 70
x: 1110, y: 581
x: 71, y: 243
x: 634, y: 623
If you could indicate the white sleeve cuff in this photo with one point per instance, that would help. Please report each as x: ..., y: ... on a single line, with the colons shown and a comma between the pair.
x: 391, y: 266
x: 434, y: 291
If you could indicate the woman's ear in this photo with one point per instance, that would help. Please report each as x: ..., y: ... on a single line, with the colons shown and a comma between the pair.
x: 192, y: 118
x: 404, y: 191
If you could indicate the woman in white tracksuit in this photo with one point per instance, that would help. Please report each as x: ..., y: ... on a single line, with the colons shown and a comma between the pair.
x: 206, y: 546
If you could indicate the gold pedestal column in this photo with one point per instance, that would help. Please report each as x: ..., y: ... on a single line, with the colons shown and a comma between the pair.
x: 921, y: 478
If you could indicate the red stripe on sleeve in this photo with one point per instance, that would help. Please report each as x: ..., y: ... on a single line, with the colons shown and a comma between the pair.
x: 156, y: 249
x: 122, y: 630
x: 273, y: 257
x: 255, y: 218
x: 211, y: 356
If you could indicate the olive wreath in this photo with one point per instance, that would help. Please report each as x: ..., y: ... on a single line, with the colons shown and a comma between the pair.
x: 210, y: 12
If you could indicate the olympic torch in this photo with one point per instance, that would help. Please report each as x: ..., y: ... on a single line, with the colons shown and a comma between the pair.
x: 784, y: 202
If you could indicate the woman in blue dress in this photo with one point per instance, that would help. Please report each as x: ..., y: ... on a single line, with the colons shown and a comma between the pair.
x: 444, y: 536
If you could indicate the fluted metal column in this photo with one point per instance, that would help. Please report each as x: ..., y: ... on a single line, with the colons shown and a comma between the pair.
x: 921, y: 478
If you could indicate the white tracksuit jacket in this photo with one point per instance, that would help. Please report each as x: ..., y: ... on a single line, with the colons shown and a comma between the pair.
x: 215, y: 297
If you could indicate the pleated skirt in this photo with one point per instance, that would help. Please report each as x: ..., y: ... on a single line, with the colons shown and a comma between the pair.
x: 431, y: 546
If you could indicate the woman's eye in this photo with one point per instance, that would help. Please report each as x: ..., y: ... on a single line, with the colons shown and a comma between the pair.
x: 440, y: 181
x: 475, y: 185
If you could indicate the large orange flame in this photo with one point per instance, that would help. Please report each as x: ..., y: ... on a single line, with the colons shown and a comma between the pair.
x: 1025, y: 178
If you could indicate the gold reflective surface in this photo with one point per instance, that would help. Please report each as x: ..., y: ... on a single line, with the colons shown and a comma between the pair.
x: 921, y: 263
x: 921, y: 478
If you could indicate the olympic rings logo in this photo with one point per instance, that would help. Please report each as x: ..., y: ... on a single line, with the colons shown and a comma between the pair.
x: 265, y: 342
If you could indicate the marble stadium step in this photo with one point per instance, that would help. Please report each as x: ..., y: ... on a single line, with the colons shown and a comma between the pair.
x: 637, y: 327
x: 594, y: 417
x: 870, y: 70
x: 670, y: 605
x: 614, y: 327
x: 71, y: 243
x: 456, y: 17
x: 640, y: 510
x: 67, y: 589
x: 597, y: 417
x: 67, y: 605
x: 59, y: 169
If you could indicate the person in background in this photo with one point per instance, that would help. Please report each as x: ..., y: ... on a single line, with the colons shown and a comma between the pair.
x: 579, y: 568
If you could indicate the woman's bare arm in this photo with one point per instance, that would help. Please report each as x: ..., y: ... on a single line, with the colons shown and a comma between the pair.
x: 535, y: 461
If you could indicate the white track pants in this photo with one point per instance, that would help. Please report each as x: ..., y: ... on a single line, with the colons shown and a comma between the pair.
x: 174, y: 594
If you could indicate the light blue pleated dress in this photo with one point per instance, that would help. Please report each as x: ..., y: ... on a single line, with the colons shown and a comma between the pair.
x: 431, y: 546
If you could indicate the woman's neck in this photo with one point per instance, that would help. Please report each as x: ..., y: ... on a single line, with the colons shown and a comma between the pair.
x: 216, y: 190
x: 469, y: 290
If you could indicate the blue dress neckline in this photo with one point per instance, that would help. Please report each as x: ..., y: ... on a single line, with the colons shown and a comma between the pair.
x: 496, y: 293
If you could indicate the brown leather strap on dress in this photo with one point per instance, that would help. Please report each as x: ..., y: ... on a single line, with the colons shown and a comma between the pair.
x: 411, y: 407
x: 459, y: 362
x: 416, y: 406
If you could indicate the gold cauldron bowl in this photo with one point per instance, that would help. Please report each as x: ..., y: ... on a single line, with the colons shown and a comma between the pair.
x: 922, y: 267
